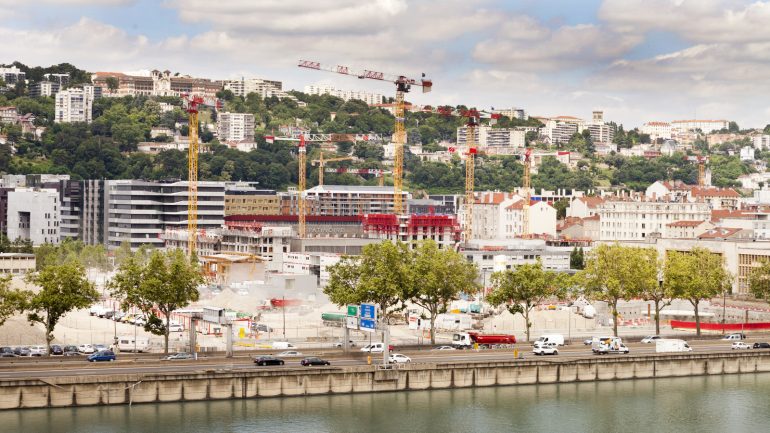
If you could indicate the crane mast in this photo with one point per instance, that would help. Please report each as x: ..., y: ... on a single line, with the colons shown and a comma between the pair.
x: 399, y: 140
x: 470, y: 167
x: 527, y: 196
x: 302, y: 155
x: 192, y: 173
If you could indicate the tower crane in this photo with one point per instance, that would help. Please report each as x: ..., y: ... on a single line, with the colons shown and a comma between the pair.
x: 321, y: 162
x: 702, y: 161
x: 192, y: 172
x: 527, y: 194
x: 301, y: 180
x: 403, y: 85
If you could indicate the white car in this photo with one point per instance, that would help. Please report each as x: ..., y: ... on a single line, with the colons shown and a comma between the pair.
x: 38, y: 351
x: 740, y: 345
x: 86, y: 348
x: 445, y: 348
x: 175, y: 327
x: 288, y: 353
x: 545, y: 349
x: 398, y: 358
x: 733, y: 337
x: 650, y: 339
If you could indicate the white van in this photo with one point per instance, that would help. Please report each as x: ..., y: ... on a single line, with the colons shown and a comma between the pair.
x: 283, y: 345
x: 373, y: 348
x: 550, y: 338
x: 665, y: 345
x: 127, y: 343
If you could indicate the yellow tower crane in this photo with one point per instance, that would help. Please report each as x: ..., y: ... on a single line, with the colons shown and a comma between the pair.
x: 403, y: 85
x: 470, y: 168
x: 301, y: 160
x: 192, y: 172
x: 527, y: 194
x: 321, y: 162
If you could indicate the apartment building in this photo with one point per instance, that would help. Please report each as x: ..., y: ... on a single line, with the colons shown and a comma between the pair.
x: 61, y: 79
x: 44, y: 88
x: 601, y: 133
x: 243, y: 199
x: 34, y: 214
x: 487, y: 137
x: 498, y: 257
x: 559, y: 130
x: 637, y: 219
x: 347, y: 200
x: 346, y: 95
x: 512, y: 113
x: 235, y: 128
x: 761, y: 142
x: 498, y: 215
x: 9, y: 115
x: 74, y: 105
x: 12, y: 75
x: 158, y: 83
x: 657, y: 130
x: 584, y: 207
x: 706, y: 126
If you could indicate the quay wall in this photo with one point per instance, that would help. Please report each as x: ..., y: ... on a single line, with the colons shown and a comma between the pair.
x: 121, y: 389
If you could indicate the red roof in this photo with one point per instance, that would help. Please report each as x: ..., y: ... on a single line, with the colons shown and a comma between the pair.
x: 493, y: 198
x: 714, y: 192
x: 592, y: 202
x: 719, y: 214
x: 719, y: 233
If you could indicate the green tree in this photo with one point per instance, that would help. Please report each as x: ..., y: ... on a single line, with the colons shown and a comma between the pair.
x: 696, y: 275
x: 612, y: 274
x: 12, y: 301
x: 379, y: 275
x: 112, y: 84
x: 576, y: 259
x: 523, y: 288
x: 438, y: 278
x: 651, y: 288
x: 759, y: 281
x: 63, y: 288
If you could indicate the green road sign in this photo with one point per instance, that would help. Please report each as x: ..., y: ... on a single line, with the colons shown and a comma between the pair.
x: 352, y: 310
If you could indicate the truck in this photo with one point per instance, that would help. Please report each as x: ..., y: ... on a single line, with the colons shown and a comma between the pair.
x: 333, y: 319
x: 668, y: 345
x: 589, y: 312
x: 607, y: 345
x: 128, y: 343
x: 284, y: 303
x: 466, y: 340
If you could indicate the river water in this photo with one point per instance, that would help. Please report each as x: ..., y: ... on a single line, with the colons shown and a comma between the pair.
x: 735, y: 403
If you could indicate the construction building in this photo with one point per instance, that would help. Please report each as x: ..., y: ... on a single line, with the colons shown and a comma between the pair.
x: 344, y: 200
x: 443, y: 229
x: 244, y: 199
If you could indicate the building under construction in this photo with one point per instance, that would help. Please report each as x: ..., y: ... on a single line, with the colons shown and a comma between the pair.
x: 443, y: 229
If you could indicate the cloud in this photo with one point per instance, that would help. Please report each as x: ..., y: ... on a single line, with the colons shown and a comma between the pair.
x: 13, y: 3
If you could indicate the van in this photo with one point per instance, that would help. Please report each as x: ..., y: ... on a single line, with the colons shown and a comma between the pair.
x: 129, y: 344
x: 175, y: 327
x: 665, y: 345
x: 558, y: 339
x: 283, y: 345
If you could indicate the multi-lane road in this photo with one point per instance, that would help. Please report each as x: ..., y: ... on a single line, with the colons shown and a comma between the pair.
x: 128, y: 364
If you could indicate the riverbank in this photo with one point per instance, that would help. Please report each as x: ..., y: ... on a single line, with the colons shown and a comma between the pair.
x: 221, y: 384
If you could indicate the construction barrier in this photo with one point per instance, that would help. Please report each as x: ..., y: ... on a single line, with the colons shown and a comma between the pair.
x: 755, y: 326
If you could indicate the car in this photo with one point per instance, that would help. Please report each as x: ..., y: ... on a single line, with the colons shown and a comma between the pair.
x: 6, y: 352
x: 261, y: 327
x: 140, y: 321
x: 588, y: 341
x: 735, y: 336
x: 761, y: 346
x: 545, y: 348
x: 180, y: 356
x: 22, y: 351
x: 86, y: 348
x: 739, y: 345
x: 309, y: 362
x: 38, y: 351
x: 650, y: 339
x: 398, y: 358
x: 288, y: 353
x: 104, y: 355
x: 441, y: 348
x: 100, y: 347
x: 71, y: 351
x: 175, y: 327
x: 268, y: 360
x: 57, y: 350
x: 341, y: 344
x: 118, y: 316
x: 375, y: 348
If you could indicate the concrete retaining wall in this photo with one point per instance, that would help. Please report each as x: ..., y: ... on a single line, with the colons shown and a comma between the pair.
x: 67, y: 391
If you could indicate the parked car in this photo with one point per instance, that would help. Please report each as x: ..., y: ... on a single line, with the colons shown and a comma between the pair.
x: 739, y: 345
x: 180, y: 356
x: 175, y: 327
x: 398, y: 358
x: 342, y: 343
x: 104, y: 355
x: 375, y: 348
x: 71, y: 351
x: 735, y: 336
x: 100, y: 347
x: 288, y: 353
x: 57, y: 350
x: 545, y: 348
x: 140, y: 321
x: 86, y: 348
x: 118, y: 316
x: 21, y: 351
x: 38, y: 351
x: 268, y: 360
x: 314, y: 361
x: 6, y: 352
x: 650, y: 339
x: 441, y: 348
x: 261, y: 327
x: 588, y: 341
x: 761, y: 346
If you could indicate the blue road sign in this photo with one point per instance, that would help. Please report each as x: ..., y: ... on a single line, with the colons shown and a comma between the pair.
x: 367, y: 325
x: 368, y: 311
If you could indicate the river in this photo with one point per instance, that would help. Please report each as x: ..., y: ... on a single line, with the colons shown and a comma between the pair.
x: 734, y: 403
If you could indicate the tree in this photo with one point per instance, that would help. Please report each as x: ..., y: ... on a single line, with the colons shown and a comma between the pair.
x: 695, y: 276
x: 651, y: 288
x: 63, y: 288
x: 576, y: 259
x: 438, y: 278
x: 612, y: 273
x: 112, y: 84
x: 523, y: 288
x: 167, y: 282
x: 759, y: 281
x: 379, y: 275
x: 12, y: 301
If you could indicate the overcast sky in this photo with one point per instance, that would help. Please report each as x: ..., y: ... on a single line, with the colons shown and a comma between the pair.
x: 638, y: 60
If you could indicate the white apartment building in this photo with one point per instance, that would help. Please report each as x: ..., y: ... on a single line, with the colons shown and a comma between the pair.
x: 9, y: 114
x: 499, y: 216
x: 601, y: 133
x: 139, y: 211
x: 487, y: 136
x: 761, y: 142
x: 559, y: 131
x: 262, y: 87
x: 12, y: 75
x: 44, y: 88
x: 510, y: 254
x: 235, y: 127
x: 512, y: 113
x: 638, y: 219
x: 657, y: 130
x: 346, y: 95
x: 706, y: 126
x: 584, y: 207
x: 74, y: 105
x: 34, y: 214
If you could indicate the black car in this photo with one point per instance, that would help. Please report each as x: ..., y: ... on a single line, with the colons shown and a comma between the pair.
x: 6, y: 352
x: 761, y: 346
x: 22, y: 351
x: 71, y: 351
x: 268, y: 360
x: 314, y: 361
x: 57, y: 350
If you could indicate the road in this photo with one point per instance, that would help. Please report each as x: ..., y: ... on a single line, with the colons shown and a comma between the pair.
x: 79, y: 367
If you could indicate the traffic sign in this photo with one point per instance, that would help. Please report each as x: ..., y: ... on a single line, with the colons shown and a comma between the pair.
x: 367, y: 325
x: 351, y: 322
x: 353, y: 310
x: 368, y: 311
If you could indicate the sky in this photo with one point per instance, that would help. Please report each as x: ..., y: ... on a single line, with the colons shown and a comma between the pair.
x: 638, y: 60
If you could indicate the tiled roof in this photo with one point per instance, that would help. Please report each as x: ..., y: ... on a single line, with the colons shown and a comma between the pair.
x: 592, y: 201
x: 719, y: 214
x: 714, y: 192
x: 719, y: 232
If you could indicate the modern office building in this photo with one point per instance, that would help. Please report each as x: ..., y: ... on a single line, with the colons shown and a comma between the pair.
x: 34, y: 214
